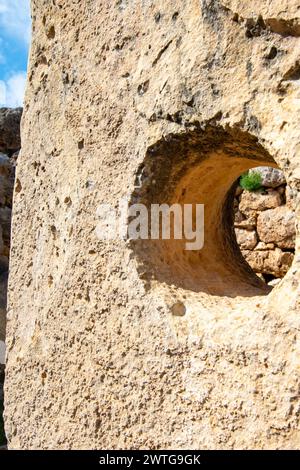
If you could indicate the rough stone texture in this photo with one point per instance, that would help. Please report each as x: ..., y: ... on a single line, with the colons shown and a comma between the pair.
x: 277, y: 226
x: 258, y: 228
x: 181, y: 97
x: 259, y: 201
x: 10, y: 129
x: 245, y: 223
x: 264, y: 246
x: 291, y: 198
x: 246, y: 240
x: 270, y: 177
x: 274, y: 262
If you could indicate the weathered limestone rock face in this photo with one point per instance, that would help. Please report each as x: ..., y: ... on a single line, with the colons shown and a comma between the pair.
x: 252, y: 202
x: 118, y: 344
x: 283, y: 233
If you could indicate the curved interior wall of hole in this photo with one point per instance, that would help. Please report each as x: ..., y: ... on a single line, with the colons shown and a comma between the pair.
x: 199, y: 167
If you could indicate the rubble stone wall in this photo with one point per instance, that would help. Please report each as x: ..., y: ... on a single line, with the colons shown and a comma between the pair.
x: 265, y: 225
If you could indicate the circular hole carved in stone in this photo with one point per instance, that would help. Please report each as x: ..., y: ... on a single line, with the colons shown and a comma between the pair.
x: 200, y: 167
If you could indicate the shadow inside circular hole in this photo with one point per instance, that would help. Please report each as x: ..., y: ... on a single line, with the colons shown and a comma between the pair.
x: 199, y: 167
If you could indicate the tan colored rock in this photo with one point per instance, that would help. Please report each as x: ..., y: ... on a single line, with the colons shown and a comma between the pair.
x: 291, y: 195
x: 246, y: 239
x: 275, y: 262
x: 264, y: 246
x: 284, y: 10
x: 277, y: 226
x: 154, y: 102
x: 256, y: 259
x: 259, y: 201
x: 248, y: 223
x: 270, y: 177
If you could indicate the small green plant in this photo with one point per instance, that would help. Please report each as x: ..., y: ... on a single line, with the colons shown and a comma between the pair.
x: 251, y: 181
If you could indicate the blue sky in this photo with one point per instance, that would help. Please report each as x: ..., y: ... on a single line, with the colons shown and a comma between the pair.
x: 15, y: 27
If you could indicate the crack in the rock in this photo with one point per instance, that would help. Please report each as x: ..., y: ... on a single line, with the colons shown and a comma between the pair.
x: 161, y: 52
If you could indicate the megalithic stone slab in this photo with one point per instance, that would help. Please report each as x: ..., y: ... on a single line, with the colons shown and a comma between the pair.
x: 127, y: 344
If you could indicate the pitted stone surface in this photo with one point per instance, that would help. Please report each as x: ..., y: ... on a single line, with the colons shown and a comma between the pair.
x: 195, y: 93
x: 270, y: 177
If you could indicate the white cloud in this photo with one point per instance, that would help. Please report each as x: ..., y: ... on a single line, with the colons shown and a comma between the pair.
x: 12, y: 90
x: 15, y: 18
